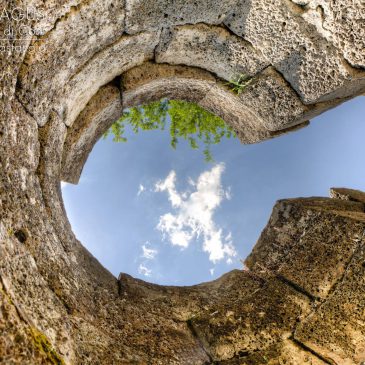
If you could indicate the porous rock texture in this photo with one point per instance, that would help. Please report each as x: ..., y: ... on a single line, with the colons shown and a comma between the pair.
x: 299, y: 301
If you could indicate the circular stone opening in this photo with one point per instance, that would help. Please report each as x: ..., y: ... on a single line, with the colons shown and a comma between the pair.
x: 167, y: 216
x: 91, y: 59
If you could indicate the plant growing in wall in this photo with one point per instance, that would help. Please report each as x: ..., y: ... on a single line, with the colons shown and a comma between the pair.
x: 239, y: 83
x: 185, y: 120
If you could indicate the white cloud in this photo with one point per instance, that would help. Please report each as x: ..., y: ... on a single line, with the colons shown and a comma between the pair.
x: 141, y: 189
x: 212, y: 271
x: 63, y: 184
x: 169, y: 185
x: 193, y: 216
x: 148, y: 253
x: 143, y: 270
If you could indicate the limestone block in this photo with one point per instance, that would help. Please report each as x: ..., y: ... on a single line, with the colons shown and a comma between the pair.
x: 52, y: 137
x: 211, y: 48
x: 263, y: 312
x: 309, y: 243
x: 312, y: 65
x: 153, y: 82
x: 49, y: 12
x: 228, y: 56
x: 336, y: 330
x: 288, y: 221
x: 286, y: 352
x: 246, y: 122
x: 348, y: 194
x: 27, y: 291
x: 100, y: 113
x: 319, y: 259
x: 20, y: 136
x: 342, y: 23
x: 128, y: 52
x: 142, y: 15
x: 11, y: 55
x: 58, y: 55
x: 18, y: 340
x: 275, y: 101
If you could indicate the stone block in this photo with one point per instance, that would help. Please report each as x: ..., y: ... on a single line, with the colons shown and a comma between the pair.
x: 308, y: 242
x: 275, y: 101
x: 153, y: 82
x: 211, y: 48
x: 348, y: 194
x: 286, y: 352
x: 312, y: 65
x: 147, y: 15
x: 348, y: 35
x: 55, y: 57
x: 128, y: 52
x: 100, y: 113
x: 263, y: 313
x: 336, y: 330
x: 319, y: 259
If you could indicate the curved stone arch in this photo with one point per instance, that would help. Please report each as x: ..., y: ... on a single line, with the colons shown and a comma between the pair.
x: 58, y: 98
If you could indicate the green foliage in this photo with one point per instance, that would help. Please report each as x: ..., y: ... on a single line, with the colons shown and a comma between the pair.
x: 239, y: 83
x: 188, y: 121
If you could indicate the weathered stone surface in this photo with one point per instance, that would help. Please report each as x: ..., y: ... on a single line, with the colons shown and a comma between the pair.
x: 153, y: 82
x: 210, y: 48
x: 149, y: 15
x: 12, y: 52
x: 50, y: 12
x: 287, y: 223
x: 347, y: 194
x: 21, y: 134
x: 54, y: 58
x: 309, y: 243
x: 286, y: 352
x: 275, y: 101
x: 301, y: 303
x: 128, y: 52
x: 249, y: 127
x: 337, y: 329
x: 100, y: 113
x: 313, y: 67
x: 19, y: 343
x: 349, y: 35
x: 252, y: 321
x: 320, y: 257
x: 228, y: 56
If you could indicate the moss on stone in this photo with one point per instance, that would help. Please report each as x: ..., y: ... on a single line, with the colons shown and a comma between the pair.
x: 44, y: 346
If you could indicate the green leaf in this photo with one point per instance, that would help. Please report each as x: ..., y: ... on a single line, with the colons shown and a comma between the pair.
x: 188, y: 121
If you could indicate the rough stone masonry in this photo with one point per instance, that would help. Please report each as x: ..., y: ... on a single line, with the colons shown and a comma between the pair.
x: 67, y: 70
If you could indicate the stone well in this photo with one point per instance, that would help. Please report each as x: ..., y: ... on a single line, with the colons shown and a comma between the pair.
x: 300, y: 300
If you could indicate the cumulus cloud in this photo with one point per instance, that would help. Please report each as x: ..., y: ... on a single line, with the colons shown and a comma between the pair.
x: 192, y: 215
x: 169, y: 185
x: 148, y: 253
x: 143, y: 270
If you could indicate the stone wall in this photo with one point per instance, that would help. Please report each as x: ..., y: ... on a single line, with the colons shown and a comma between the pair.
x: 300, y: 300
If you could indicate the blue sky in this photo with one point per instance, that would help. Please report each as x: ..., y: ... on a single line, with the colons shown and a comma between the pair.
x: 168, y: 217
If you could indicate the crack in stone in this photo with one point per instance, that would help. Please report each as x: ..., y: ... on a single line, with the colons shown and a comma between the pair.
x: 199, y: 340
x: 314, y: 353
x: 298, y: 288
